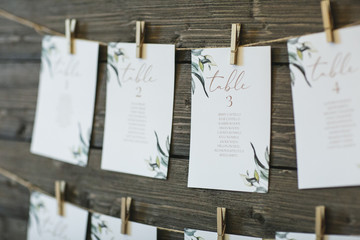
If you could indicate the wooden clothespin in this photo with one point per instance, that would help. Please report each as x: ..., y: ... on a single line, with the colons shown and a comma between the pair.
x: 125, y: 213
x: 320, y: 222
x: 70, y: 25
x: 221, y: 225
x: 327, y: 20
x: 235, y: 42
x: 140, y: 35
x: 60, y: 196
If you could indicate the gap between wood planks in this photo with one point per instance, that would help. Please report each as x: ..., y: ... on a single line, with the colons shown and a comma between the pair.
x: 32, y: 187
x: 43, y: 29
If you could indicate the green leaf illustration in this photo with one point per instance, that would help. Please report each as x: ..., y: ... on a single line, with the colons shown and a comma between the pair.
x: 202, y: 82
x: 190, y: 235
x: 201, y: 65
x: 292, y: 56
x: 299, y: 53
x: 113, y: 59
x: 159, y: 148
x: 296, y: 56
x: 160, y: 164
x: 260, y: 176
x: 157, y: 161
x: 256, y: 175
x: 197, y: 68
x: 256, y: 158
x: 189, y: 232
x: 302, y: 70
x: 196, y: 52
x: 48, y: 49
x: 194, y: 67
x: 81, y: 151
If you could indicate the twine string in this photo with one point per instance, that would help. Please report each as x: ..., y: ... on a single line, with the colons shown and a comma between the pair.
x: 40, y: 29
x: 31, y: 187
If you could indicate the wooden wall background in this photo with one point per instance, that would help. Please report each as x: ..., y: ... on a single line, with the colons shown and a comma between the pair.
x: 168, y: 204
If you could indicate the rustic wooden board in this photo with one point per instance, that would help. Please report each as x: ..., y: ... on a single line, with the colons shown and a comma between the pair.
x: 169, y: 204
x: 186, y: 23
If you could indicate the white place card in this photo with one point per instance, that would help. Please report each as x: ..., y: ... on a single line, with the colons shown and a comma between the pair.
x: 139, y: 109
x: 191, y: 234
x: 66, y: 99
x: 45, y: 223
x: 230, y: 120
x: 325, y: 89
x: 105, y: 227
x: 310, y: 236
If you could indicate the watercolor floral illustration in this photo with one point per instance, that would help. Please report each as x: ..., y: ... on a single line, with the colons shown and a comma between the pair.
x: 198, y: 63
x: 296, y: 50
x: 190, y: 234
x: 159, y: 164
x: 81, y: 151
x: 283, y: 236
x: 260, y: 177
x: 114, y: 54
x: 98, y: 227
x: 36, y: 206
x: 48, y: 49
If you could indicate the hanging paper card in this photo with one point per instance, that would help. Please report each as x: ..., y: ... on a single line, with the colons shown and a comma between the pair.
x: 230, y: 120
x: 139, y: 107
x: 325, y: 89
x: 66, y: 98
x: 45, y: 223
x: 191, y: 234
x: 309, y: 236
x: 108, y: 228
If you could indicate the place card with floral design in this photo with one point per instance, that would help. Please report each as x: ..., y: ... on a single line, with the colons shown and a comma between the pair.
x: 230, y: 119
x: 191, y: 234
x: 139, y: 109
x: 45, y: 223
x: 66, y: 100
x: 105, y: 227
x: 310, y: 236
x: 325, y: 89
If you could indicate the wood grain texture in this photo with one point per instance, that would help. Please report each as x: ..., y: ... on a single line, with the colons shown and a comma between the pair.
x: 169, y: 204
x: 185, y: 23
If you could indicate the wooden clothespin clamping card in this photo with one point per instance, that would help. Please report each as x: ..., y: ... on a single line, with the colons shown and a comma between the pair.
x: 221, y: 225
x: 320, y: 222
x: 70, y: 25
x: 140, y: 35
x: 235, y: 42
x: 327, y: 20
x: 60, y: 196
x: 125, y: 213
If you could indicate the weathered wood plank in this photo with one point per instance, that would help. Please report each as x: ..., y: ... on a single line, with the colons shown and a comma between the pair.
x: 14, y: 208
x: 188, y: 24
x: 18, y: 94
x: 171, y: 204
x: 14, y: 202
